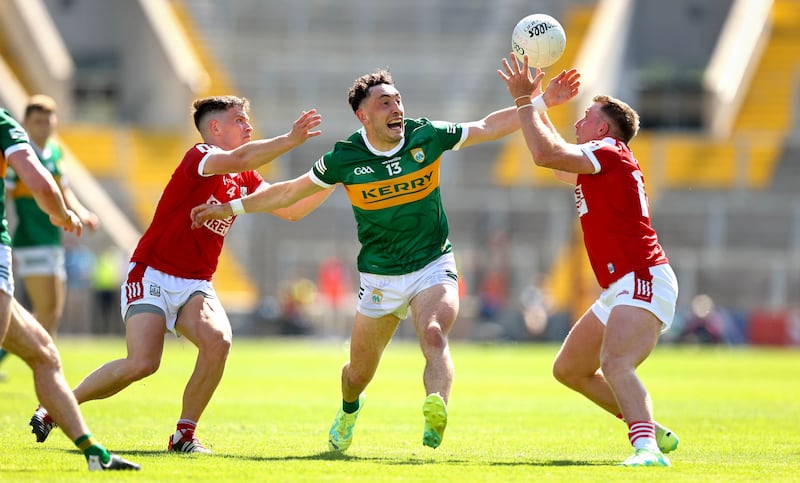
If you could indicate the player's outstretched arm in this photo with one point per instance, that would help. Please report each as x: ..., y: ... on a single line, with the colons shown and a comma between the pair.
x: 45, y: 190
x: 304, y: 206
x: 498, y: 123
x: 547, y: 147
x: 269, y: 200
x: 257, y: 153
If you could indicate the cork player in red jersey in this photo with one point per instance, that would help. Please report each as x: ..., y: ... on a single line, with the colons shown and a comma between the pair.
x: 168, y: 287
x: 600, y: 355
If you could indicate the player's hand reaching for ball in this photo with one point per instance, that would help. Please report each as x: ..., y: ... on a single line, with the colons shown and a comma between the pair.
x: 562, y: 87
x: 519, y: 80
x: 202, y: 213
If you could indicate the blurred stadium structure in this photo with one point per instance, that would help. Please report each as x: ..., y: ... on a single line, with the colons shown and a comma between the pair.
x: 716, y: 83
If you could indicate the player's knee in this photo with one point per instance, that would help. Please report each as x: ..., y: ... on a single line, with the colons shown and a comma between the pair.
x: 218, y: 346
x: 563, y: 373
x: 613, y: 365
x: 141, y: 368
x: 47, y: 356
x: 433, y: 337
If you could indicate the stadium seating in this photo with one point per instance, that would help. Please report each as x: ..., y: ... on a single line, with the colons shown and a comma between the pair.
x: 726, y: 208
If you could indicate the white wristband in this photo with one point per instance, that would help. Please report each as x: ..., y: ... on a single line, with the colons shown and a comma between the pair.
x: 237, y: 206
x: 538, y: 103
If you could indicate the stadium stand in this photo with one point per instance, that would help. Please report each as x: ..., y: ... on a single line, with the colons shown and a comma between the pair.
x: 725, y: 205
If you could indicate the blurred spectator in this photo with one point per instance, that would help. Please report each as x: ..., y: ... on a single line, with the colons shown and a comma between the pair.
x: 535, y: 305
x: 79, y: 263
x: 493, y: 293
x: 335, y: 287
x: 297, y: 298
x: 333, y: 280
x: 704, y: 324
x: 109, y: 269
x: 493, y: 283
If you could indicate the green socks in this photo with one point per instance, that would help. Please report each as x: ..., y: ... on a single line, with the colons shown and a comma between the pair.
x: 89, y: 446
x: 350, y: 407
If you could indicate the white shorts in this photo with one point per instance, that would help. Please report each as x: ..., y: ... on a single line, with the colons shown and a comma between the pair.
x: 380, y: 295
x: 657, y: 295
x: 152, y: 291
x: 6, y: 277
x: 49, y: 260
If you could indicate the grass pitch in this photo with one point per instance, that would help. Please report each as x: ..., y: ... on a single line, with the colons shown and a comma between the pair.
x: 737, y: 411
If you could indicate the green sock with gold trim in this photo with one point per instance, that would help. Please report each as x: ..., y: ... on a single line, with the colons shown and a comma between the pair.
x: 90, y: 446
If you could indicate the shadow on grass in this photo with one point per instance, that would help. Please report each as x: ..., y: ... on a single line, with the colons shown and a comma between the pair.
x: 409, y: 460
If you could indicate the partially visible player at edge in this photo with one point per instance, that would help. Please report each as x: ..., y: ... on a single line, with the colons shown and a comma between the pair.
x: 39, y: 258
x: 390, y: 169
x: 168, y: 287
x: 600, y: 355
x: 20, y: 333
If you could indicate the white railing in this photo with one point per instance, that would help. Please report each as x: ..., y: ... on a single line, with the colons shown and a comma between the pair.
x: 738, y: 51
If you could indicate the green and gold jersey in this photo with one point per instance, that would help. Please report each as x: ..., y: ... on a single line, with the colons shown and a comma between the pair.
x: 12, y: 139
x: 33, y: 225
x: 395, y: 195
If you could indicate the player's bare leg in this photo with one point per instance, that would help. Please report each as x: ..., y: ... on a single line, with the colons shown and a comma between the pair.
x: 46, y: 293
x: 144, y: 338
x: 435, y: 310
x: 30, y: 341
x: 27, y: 339
x: 577, y: 364
x: 367, y: 343
x: 204, y: 323
x: 631, y: 335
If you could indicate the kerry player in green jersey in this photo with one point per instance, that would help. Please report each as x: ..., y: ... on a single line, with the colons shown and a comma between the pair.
x: 20, y: 333
x: 39, y: 258
x: 390, y: 170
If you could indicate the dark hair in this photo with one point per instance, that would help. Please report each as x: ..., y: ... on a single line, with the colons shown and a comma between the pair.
x: 207, y: 105
x: 360, y: 89
x: 40, y: 103
x: 624, y: 118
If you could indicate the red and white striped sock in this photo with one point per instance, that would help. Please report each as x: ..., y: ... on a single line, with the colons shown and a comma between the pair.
x: 185, y: 430
x: 642, y: 435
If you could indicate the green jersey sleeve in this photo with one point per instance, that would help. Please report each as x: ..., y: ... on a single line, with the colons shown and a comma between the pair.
x: 451, y: 135
x: 12, y: 136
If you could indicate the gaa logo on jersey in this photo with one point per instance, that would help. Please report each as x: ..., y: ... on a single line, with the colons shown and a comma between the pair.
x: 377, y: 296
x: 418, y: 154
x: 359, y: 170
